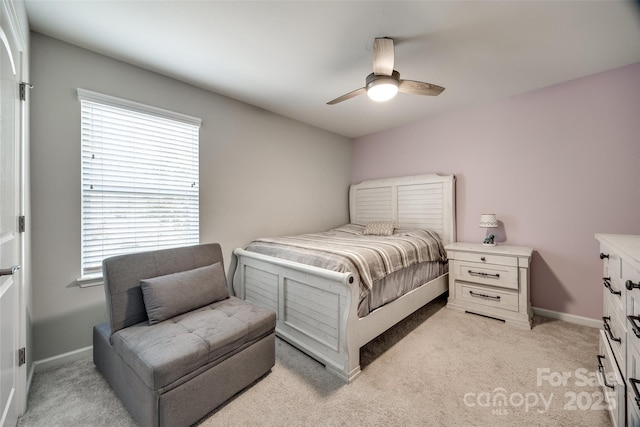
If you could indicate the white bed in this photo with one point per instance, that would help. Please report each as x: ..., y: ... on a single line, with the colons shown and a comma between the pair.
x: 317, y: 309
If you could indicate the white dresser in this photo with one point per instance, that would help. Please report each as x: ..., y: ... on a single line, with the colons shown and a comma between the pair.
x: 491, y: 281
x: 619, y: 349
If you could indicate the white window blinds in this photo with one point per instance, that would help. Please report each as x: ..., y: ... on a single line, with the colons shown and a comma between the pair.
x: 139, y: 179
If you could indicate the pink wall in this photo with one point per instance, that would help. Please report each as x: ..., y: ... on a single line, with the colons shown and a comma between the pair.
x: 556, y: 165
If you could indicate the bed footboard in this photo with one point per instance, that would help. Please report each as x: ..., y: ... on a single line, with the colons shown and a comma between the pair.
x: 316, y: 308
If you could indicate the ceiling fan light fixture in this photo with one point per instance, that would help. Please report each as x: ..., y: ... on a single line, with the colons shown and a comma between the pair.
x: 382, y: 90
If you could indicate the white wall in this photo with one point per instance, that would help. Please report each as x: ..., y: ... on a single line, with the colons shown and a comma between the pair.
x: 261, y: 174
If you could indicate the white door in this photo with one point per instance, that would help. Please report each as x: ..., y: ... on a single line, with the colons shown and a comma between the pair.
x: 9, y: 212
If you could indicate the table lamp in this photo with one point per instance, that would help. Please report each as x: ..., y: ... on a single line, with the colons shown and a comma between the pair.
x: 488, y: 221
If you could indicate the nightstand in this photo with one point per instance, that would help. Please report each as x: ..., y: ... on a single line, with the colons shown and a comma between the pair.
x: 491, y: 281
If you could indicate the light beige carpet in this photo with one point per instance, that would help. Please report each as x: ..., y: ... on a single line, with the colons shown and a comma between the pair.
x: 436, y: 368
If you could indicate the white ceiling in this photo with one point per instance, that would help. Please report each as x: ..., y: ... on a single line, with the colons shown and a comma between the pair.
x: 291, y: 57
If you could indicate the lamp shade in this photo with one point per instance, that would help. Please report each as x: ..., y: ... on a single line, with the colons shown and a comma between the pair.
x: 488, y: 221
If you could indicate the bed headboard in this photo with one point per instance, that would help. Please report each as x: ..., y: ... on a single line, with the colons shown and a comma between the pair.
x: 418, y: 201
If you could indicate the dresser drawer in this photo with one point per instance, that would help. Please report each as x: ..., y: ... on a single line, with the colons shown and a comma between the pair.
x: 632, y: 318
x: 630, y: 272
x: 633, y: 413
x: 614, y: 295
x: 500, y: 276
x: 489, y: 297
x: 486, y: 258
x: 633, y: 374
x: 633, y: 356
x: 611, y: 381
x: 615, y: 330
x: 612, y: 274
x: 611, y: 262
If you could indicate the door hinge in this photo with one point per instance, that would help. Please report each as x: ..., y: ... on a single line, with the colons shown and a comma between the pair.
x: 22, y: 356
x: 21, y: 224
x: 23, y: 90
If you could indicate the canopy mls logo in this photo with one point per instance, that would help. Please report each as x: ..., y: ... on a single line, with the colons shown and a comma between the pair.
x: 501, y: 401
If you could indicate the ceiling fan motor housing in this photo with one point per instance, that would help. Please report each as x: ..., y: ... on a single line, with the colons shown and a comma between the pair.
x: 376, y: 79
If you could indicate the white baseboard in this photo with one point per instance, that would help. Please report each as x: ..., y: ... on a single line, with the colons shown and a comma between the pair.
x: 571, y: 318
x: 59, y: 360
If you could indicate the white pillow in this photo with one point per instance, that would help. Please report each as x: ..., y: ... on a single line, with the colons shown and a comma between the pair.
x: 379, y: 228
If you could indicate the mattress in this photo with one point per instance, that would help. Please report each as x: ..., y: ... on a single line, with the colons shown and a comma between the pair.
x: 388, y: 266
x: 399, y: 283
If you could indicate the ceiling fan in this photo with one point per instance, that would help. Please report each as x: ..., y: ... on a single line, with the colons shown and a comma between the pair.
x: 385, y: 82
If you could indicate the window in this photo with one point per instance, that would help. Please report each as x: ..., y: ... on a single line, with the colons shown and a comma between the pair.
x: 139, y: 179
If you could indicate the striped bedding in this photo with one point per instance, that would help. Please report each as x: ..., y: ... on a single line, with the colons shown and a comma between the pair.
x: 347, y: 249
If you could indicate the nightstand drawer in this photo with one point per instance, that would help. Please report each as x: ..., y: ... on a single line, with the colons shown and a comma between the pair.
x: 486, y: 258
x: 500, y: 276
x: 486, y: 296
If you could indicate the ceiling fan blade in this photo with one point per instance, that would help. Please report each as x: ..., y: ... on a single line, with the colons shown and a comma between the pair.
x: 347, y: 96
x: 419, y: 88
x: 383, y: 56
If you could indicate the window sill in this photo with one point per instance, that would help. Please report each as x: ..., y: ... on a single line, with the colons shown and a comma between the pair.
x: 90, y: 281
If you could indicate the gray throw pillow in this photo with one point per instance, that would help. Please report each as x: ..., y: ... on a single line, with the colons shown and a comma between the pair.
x: 168, y: 296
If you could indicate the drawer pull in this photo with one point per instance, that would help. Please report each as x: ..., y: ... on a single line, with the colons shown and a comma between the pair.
x: 635, y: 324
x: 482, y: 258
x: 483, y: 274
x: 9, y: 271
x: 634, y: 385
x: 477, y: 295
x: 630, y: 285
x: 604, y: 374
x: 603, y: 256
x: 608, y: 329
x: 607, y: 284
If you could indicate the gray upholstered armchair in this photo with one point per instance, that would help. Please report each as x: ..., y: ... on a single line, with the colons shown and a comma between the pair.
x: 176, y: 345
